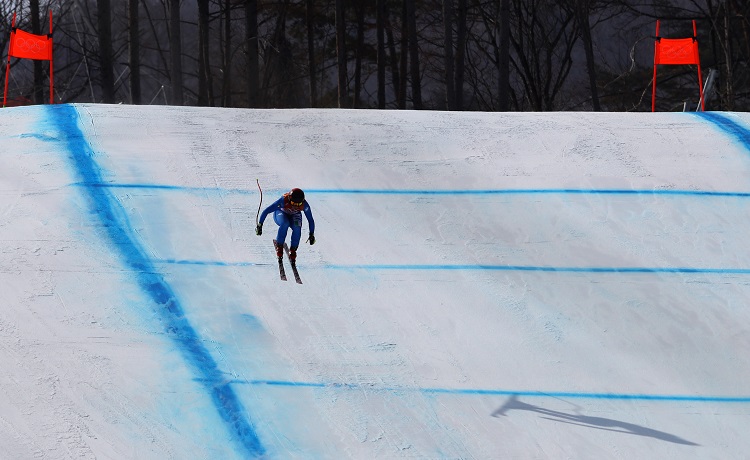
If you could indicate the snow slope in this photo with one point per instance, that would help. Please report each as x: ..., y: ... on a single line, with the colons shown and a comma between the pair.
x: 484, y: 285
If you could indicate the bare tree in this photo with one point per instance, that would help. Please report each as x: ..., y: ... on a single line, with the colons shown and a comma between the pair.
x: 341, y: 63
x: 416, y: 78
x: 226, y: 62
x: 460, y: 54
x: 251, y: 39
x: 311, y: 61
x: 583, y: 9
x: 503, y: 57
x: 281, y: 86
x: 397, y: 75
x: 134, y: 49
x: 543, y: 46
x: 205, y: 82
x: 380, y: 25
x: 106, y: 59
x: 450, y: 88
x: 175, y: 51
x: 404, y: 56
x: 37, y: 30
x: 360, y: 10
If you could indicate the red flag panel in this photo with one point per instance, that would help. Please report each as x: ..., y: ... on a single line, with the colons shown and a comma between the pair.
x: 29, y: 46
x: 676, y: 51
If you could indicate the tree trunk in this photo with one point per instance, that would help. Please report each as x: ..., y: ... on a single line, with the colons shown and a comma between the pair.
x: 226, y: 81
x: 205, y: 82
x: 360, y: 9
x: 104, y: 15
x: 543, y: 50
x: 312, y: 68
x: 175, y: 51
x: 380, y: 24
x: 282, y: 89
x: 38, y: 75
x: 395, y: 70
x: 583, y: 8
x: 134, y: 50
x: 503, y: 35
x: 251, y: 37
x: 728, y: 59
x: 341, y: 54
x: 460, y: 54
x: 416, y: 80
x: 404, y: 61
x: 450, y: 89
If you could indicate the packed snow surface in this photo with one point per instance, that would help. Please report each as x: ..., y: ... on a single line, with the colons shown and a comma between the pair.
x: 483, y: 285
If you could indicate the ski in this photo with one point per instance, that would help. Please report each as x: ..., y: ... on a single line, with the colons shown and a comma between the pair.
x: 282, y: 272
x: 294, y: 266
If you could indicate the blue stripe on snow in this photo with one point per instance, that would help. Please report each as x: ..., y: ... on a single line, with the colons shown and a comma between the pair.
x: 311, y: 191
x: 177, y: 188
x: 729, y: 126
x: 532, y: 268
x: 491, y: 392
x: 118, y: 231
x: 214, y: 263
x: 553, y: 191
x: 507, y: 268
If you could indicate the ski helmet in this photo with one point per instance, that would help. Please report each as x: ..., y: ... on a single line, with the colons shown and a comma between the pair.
x: 297, y: 195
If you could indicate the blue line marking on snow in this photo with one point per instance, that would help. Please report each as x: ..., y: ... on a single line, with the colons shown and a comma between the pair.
x: 489, y: 392
x: 209, y: 263
x: 117, y: 230
x: 531, y: 192
x: 729, y: 126
x: 41, y: 137
x: 657, y: 192
x: 507, y: 268
x: 177, y: 188
x: 531, y: 268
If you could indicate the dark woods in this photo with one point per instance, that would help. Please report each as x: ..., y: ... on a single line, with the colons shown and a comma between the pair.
x: 489, y: 55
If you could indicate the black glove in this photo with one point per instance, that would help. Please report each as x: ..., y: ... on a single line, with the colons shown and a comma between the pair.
x: 259, y: 229
x: 311, y: 239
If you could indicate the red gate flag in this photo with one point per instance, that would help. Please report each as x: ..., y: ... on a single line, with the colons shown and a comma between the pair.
x: 24, y: 45
x: 676, y: 51
x: 29, y: 46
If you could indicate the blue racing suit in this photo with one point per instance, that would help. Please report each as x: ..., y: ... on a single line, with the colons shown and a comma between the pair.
x: 287, y: 216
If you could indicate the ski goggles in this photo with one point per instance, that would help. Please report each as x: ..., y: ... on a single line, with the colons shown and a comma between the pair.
x: 295, y: 203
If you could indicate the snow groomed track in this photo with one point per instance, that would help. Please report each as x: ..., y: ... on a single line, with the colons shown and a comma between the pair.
x: 484, y: 285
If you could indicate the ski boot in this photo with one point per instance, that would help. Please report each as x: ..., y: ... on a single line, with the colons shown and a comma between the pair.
x: 293, y: 254
x: 279, y: 249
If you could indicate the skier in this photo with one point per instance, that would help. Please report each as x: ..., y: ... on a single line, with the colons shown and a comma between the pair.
x: 287, y: 213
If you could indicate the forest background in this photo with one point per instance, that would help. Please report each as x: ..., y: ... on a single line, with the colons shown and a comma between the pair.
x: 485, y: 55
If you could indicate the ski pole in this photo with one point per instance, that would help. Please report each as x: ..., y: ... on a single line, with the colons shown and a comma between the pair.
x: 261, y: 201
